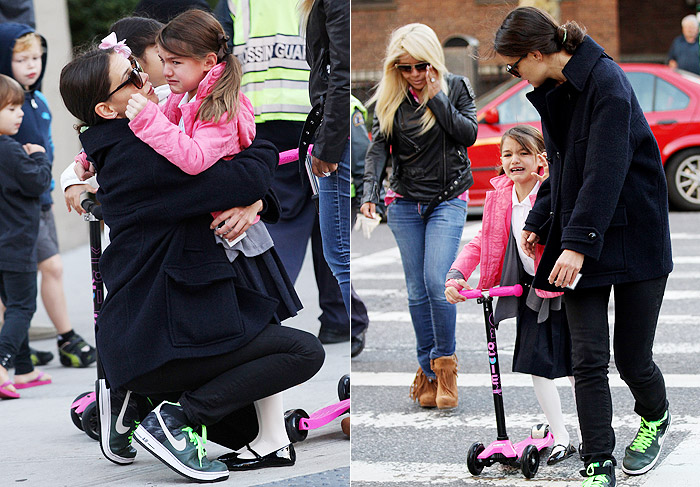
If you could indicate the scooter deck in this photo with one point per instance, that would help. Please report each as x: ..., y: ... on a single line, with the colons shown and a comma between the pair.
x: 540, y: 443
x: 325, y: 415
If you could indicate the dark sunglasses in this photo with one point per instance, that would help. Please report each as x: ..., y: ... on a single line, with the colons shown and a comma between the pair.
x: 134, y: 78
x: 407, y: 68
x: 513, y: 69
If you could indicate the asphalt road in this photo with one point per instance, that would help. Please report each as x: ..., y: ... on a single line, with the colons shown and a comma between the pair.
x: 395, y: 443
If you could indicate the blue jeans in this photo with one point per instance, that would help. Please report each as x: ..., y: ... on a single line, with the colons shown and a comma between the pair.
x: 334, y: 212
x: 18, y: 293
x: 428, y: 247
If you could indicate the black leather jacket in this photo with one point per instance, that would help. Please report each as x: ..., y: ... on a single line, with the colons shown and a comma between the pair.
x: 425, y: 163
x: 328, y: 54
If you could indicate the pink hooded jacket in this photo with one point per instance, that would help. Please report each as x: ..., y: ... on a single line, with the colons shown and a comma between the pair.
x: 488, y: 247
x: 204, y: 142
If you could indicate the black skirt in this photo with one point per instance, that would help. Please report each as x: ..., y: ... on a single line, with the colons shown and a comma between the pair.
x: 542, y: 349
x: 266, y: 273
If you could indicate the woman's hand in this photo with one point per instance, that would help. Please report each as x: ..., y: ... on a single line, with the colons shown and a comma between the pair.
x: 452, y: 289
x: 566, y: 268
x: 432, y: 82
x: 369, y: 210
x: 237, y: 220
x: 72, y: 196
x: 137, y: 102
x: 528, y: 241
x: 321, y: 168
x: 542, y: 158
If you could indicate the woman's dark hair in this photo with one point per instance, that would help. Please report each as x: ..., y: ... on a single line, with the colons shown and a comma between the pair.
x: 528, y: 29
x: 138, y: 32
x: 84, y: 83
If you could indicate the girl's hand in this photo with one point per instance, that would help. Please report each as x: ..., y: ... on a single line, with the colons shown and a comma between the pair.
x: 236, y: 220
x: 83, y: 172
x: 432, y: 82
x: 72, y: 196
x: 321, y: 168
x: 452, y: 289
x: 369, y: 210
x: 137, y: 102
x: 566, y: 268
x: 542, y: 158
x: 32, y: 148
x: 528, y: 241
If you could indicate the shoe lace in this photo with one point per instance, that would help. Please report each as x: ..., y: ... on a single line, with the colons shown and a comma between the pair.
x: 645, y: 435
x: 198, y: 441
x: 131, y: 434
x: 601, y: 480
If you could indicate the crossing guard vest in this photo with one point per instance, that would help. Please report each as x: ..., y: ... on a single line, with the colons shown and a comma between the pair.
x: 273, y: 56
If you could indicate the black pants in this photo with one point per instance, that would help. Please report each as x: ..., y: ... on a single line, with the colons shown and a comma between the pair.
x: 637, y: 306
x: 18, y: 293
x: 211, y: 389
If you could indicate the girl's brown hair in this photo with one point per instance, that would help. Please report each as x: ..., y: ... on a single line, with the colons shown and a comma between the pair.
x: 11, y: 92
x: 195, y: 34
x: 527, y: 137
x: 528, y: 29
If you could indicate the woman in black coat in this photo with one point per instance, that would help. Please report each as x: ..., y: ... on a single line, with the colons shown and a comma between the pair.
x: 179, y: 320
x: 602, y: 213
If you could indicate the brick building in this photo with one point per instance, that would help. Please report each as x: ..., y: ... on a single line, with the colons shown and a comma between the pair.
x: 630, y: 30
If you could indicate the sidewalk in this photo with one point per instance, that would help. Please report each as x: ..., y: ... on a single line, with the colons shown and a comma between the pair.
x: 42, y: 447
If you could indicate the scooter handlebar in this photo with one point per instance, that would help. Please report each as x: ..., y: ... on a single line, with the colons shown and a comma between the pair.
x: 516, y: 290
x: 291, y: 155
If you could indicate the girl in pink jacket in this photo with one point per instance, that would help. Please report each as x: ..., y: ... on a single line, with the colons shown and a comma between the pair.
x: 205, y: 119
x: 542, y: 344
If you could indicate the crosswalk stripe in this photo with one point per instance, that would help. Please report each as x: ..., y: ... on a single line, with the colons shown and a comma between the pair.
x: 405, y: 317
x: 404, y: 379
x: 435, y: 419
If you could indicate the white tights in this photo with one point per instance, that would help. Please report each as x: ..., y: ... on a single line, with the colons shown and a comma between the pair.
x: 548, y: 397
x: 272, y: 433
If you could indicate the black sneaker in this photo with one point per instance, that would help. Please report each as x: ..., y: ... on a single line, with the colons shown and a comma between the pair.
x: 165, y: 434
x: 598, y: 475
x: 330, y: 335
x: 641, y: 455
x: 76, y: 352
x: 117, y: 418
x: 39, y: 357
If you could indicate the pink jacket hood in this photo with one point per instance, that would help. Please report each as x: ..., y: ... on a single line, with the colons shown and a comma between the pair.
x: 204, y: 142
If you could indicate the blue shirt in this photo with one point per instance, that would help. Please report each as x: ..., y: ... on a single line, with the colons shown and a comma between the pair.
x: 686, y: 54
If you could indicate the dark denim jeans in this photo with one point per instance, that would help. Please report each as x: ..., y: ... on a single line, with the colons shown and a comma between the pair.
x: 637, y: 306
x: 428, y: 247
x: 18, y: 293
x: 334, y: 206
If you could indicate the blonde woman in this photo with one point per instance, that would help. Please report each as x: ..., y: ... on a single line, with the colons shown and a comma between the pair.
x: 425, y: 118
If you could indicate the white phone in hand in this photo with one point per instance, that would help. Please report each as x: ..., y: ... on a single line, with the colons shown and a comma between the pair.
x: 576, y: 280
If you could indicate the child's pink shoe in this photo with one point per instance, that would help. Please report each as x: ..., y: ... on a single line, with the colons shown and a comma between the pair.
x: 6, y: 393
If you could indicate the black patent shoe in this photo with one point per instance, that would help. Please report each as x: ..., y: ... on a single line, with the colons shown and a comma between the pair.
x: 559, y: 453
x: 284, y: 457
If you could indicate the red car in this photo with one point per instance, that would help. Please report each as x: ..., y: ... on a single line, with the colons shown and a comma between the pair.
x: 670, y: 100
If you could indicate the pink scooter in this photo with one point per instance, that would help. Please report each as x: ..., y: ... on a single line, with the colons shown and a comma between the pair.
x: 298, y: 422
x: 526, y: 453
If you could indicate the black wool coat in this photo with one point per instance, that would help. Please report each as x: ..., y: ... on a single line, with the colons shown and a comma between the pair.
x: 606, y: 196
x: 172, y: 293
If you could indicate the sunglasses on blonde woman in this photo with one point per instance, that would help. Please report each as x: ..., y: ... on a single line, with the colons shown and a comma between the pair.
x: 407, y: 68
x: 134, y: 78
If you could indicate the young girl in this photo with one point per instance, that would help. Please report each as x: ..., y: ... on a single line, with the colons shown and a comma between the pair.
x: 542, y: 344
x: 206, y: 118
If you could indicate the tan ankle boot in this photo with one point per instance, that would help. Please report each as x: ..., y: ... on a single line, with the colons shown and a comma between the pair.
x: 423, y: 391
x: 446, y: 370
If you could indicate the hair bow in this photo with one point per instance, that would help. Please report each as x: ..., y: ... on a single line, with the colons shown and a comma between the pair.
x: 110, y: 42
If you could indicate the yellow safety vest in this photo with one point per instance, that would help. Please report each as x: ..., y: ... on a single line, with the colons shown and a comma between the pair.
x: 267, y: 43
